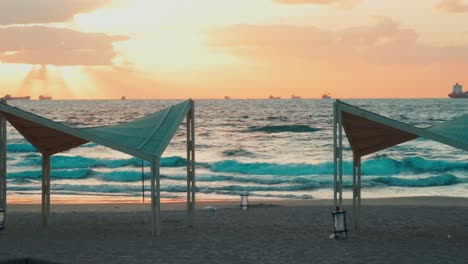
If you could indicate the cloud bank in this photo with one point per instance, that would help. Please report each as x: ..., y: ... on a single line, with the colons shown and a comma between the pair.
x: 44, y: 11
x: 383, y: 43
x: 55, y: 46
x: 346, y: 4
x: 453, y: 6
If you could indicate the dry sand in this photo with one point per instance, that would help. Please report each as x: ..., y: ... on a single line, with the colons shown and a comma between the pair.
x: 397, y: 230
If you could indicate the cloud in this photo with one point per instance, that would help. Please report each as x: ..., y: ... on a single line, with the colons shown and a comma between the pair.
x: 55, y: 46
x: 383, y: 43
x: 453, y: 6
x: 346, y: 4
x: 44, y: 11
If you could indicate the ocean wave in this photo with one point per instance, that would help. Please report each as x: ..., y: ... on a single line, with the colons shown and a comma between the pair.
x: 283, y: 128
x: 121, y: 176
x: 58, y: 174
x: 439, y: 180
x: 20, y: 147
x: 27, y: 147
x: 89, y: 145
x: 275, y: 168
x: 420, y: 164
x: 380, y: 166
x: 274, y: 118
x: 67, y: 162
x: 238, y: 152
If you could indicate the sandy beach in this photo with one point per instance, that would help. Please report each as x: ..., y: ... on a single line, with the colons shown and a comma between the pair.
x: 404, y: 230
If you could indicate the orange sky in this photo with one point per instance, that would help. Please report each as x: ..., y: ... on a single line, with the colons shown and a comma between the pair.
x: 97, y: 49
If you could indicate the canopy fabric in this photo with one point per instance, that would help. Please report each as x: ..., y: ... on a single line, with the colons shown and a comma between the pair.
x: 150, y: 134
x: 369, y: 132
x: 455, y: 129
x: 145, y: 138
x: 366, y: 136
x: 46, y: 140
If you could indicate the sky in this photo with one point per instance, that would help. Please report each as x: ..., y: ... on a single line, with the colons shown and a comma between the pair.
x: 207, y: 49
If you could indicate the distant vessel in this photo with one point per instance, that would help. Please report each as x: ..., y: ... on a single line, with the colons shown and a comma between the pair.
x: 273, y: 97
x: 45, y: 97
x: 295, y: 97
x: 326, y: 96
x: 9, y: 97
x: 458, y: 92
x: 227, y: 98
x: 123, y: 98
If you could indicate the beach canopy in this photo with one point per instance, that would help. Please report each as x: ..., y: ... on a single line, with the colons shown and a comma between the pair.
x: 145, y: 138
x: 368, y: 132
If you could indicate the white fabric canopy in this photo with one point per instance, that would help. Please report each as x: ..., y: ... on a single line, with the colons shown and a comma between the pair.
x: 368, y: 132
x: 145, y: 138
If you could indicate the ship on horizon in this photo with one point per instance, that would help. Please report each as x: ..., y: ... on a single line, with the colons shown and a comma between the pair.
x: 326, y: 96
x: 458, y: 92
x: 9, y: 97
x: 45, y: 97
x: 273, y: 97
x: 295, y: 97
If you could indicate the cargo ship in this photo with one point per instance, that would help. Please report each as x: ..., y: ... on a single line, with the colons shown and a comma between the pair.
x: 458, y: 92
x: 45, y: 97
x: 9, y: 97
x: 326, y: 96
x: 295, y: 97
x: 274, y: 97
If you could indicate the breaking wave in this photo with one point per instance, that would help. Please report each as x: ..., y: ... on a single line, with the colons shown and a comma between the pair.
x: 284, y: 128
x: 440, y: 180
x: 20, y: 147
x: 69, y: 162
x: 27, y: 147
x: 58, y: 174
x: 238, y: 152
x: 379, y: 166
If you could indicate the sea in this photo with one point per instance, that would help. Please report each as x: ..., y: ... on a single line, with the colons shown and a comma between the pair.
x: 272, y: 149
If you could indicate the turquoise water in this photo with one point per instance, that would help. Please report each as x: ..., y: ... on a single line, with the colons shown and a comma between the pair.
x: 270, y: 148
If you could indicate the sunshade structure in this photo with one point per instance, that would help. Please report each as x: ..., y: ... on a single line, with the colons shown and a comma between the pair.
x: 145, y: 138
x: 368, y: 132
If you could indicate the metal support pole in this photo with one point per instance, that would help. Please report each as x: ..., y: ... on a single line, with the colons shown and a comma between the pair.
x: 190, y: 165
x: 358, y: 211
x: 355, y: 190
x: 3, y: 164
x: 155, y: 198
x: 335, y: 156
x: 45, y: 188
x: 340, y: 158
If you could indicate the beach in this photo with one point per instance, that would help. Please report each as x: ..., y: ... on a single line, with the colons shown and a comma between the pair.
x: 404, y: 230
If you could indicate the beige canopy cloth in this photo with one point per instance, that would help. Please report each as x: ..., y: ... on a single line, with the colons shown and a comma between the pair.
x: 368, y: 132
x: 145, y: 138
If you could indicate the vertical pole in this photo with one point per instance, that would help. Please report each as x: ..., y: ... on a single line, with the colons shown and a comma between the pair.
x: 340, y: 158
x: 192, y: 207
x: 143, y: 179
x: 45, y: 188
x: 191, y: 165
x: 3, y: 163
x: 155, y: 197
x: 358, y: 211
x: 335, y: 155
x: 189, y: 157
x: 354, y: 189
